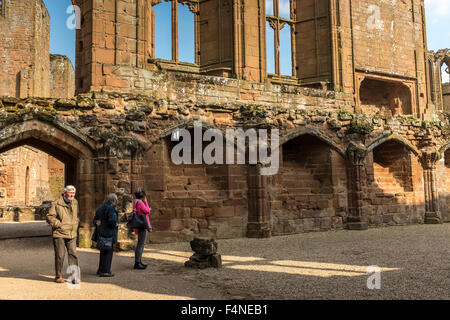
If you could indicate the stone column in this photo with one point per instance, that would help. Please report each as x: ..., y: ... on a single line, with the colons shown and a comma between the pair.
x: 432, y: 213
x: 355, y: 166
x: 258, y: 208
x: 86, y: 191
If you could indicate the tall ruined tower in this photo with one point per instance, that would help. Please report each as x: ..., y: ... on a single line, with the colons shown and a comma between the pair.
x: 26, y: 67
x: 24, y: 48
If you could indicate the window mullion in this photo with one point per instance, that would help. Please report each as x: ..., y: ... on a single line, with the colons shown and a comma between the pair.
x: 293, y: 7
x: 175, y: 30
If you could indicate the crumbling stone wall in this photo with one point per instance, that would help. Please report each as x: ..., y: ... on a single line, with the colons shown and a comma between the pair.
x: 333, y: 46
x: 366, y: 159
x: 62, y: 77
x: 118, y: 142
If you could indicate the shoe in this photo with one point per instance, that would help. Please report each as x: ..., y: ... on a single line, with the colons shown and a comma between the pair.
x: 75, y: 281
x: 59, y: 280
x: 139, y: 266
x: 109, y: 274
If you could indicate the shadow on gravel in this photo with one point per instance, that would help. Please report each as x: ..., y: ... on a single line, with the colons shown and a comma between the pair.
x: 321, y: 267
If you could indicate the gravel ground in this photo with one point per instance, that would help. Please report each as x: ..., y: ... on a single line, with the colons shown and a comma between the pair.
x: 414, y: 262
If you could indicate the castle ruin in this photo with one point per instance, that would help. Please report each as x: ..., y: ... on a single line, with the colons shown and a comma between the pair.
x: 364, y: 128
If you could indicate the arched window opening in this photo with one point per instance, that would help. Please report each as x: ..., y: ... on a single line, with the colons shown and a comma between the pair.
x: 175, y: 31
x: 280, y: 28
x: 445, y: 73
x: 163, y: 30
x: 186, y: 27
x: 445, y: 80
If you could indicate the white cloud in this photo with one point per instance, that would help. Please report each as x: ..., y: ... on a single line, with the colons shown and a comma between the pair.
x: 438, y: 8
x: 269, y: 7
x: 284, y: 8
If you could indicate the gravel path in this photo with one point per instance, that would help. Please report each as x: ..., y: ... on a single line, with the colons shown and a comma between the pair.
x: 414, y: 262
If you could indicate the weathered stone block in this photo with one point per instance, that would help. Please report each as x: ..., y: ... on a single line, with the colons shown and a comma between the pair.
x: 204, y: 246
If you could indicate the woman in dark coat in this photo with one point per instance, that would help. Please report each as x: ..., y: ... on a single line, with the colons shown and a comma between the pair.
x: 106, y: 222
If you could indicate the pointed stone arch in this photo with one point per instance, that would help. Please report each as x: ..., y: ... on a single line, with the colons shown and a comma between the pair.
x: 66, y: 144
x: 315, y: 133
x: 310, y: 190
x: 372, y: 144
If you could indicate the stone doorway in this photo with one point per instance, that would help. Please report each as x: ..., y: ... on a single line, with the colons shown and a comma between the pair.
x: 30, y: 179
x: 71, y: 155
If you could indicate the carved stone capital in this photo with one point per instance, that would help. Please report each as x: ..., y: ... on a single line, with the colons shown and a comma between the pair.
x: 429, y: 160
x: 356, y: 154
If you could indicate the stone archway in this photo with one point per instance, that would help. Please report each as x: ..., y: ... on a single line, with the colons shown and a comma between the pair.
x: 69, y: 146
x: 310, y: 190
x: 395, y: 190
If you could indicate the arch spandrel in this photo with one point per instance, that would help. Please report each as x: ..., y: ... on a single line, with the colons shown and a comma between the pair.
x: 59, y: 136
x: 372, y: 144
x: 315, y: 133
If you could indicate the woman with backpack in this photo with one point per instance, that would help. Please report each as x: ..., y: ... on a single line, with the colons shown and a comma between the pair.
x: 106, y: 223
x: 141, y: 225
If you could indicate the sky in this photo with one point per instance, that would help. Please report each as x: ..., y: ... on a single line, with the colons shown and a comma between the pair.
x: 62, y: 39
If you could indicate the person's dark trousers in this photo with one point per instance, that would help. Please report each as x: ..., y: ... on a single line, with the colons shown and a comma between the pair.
x: 60, y: 245
x: 106, y: 256
x: 142, y: 237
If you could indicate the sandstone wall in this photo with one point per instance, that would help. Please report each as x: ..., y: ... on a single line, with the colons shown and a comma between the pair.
x: 62, y: 77
x: 25, y: 177
x: 128, y: 138
x: 24, y: 49
x: 395, y: 193
x: 310, y: 191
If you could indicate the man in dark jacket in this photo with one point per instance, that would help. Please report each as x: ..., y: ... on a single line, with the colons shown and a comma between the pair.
x: 106, y: 222
x: 63, y: 217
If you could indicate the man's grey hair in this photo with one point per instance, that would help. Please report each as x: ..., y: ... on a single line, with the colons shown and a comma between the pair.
x: 112, y: 198
x: 70, y: 188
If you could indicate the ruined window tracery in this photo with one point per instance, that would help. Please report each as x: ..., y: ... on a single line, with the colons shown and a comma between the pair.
x: 445, y: 83
x: 280, y: 30
x: 445, y: 73
x: 177, y: 40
